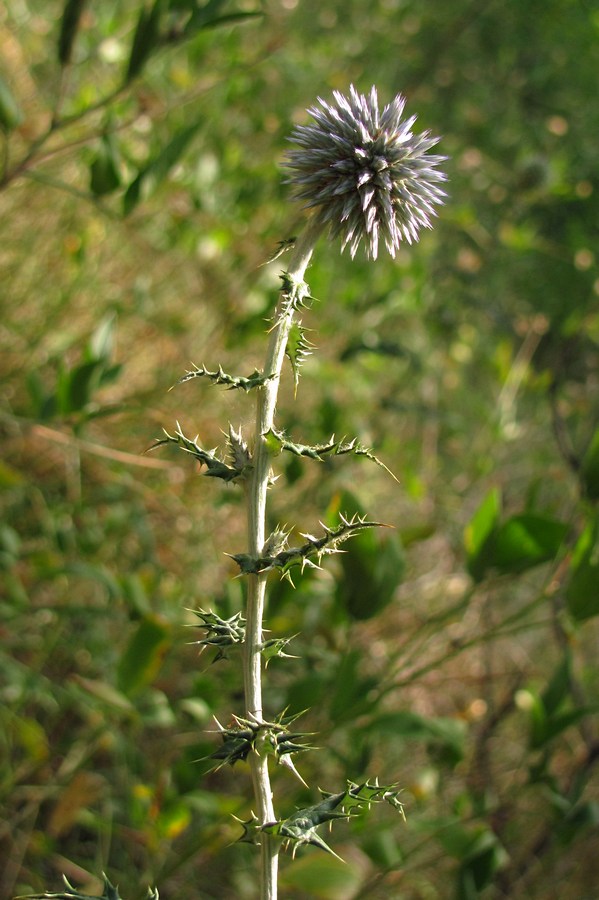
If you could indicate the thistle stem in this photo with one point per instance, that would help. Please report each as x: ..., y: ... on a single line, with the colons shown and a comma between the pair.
x: 256, y: 515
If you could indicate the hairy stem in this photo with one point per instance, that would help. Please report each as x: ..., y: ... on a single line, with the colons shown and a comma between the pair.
x: 256, y: 513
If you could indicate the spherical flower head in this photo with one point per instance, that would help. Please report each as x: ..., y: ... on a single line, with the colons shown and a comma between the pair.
x: 364, y: 172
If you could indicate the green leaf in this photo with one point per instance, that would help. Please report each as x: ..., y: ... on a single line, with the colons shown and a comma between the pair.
x: 30, y: 737
x: 558, y: 688
x: 484, y: 857
x: 578, y: 819
x: 10, y: 114
x: 105, y: 174
x: 582, y: 593
x: 101, y: 343
x: 479, y: 532
x: 106, y: 694
x: 97, y: 573
x: 75, y: 388
x: 525, y: 541
x: 447, y: 734
x: 351, y: 690
x: 157, y: 169
x: 145, y: 39
x: 323, y: 877
x: 208, y: 16
x: 69, y: 25
x: 590, y: 468
x: 548, y: 718
x: 143, y: 655
x: 372, y: 568
x: 545, y: 727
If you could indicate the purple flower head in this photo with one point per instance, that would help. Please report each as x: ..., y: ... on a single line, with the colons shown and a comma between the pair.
x: 364, y: 172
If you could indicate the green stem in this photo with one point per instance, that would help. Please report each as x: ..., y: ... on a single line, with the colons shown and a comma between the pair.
x: 256, y: 513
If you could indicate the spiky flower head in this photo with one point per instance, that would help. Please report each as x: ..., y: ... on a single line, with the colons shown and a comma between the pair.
x: 364, y: 172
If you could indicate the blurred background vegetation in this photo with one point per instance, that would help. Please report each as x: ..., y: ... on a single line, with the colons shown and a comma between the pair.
x: 141, y: 192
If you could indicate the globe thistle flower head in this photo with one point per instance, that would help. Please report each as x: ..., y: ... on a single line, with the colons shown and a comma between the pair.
x: 364, y: 173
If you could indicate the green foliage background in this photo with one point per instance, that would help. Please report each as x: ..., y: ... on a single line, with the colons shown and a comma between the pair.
x: 456, y: 656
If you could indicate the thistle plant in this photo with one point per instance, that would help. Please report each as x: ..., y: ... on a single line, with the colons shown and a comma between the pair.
x: 363, y: 176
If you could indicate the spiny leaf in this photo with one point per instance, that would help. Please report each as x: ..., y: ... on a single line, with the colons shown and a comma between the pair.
x: 276, y: 647
x: 216, y: 468
x: 281, y: 248
x: 297, y: 349
x: 314, y: 548
x: 276, y: 442
x: 109, y: 893
x: 301, y: 827
x: 296, y: 293
x: 276, y: 542
x: 265, y: 738
x: 238, y: 741
x: 250, y: 835
x: 359, y: 795
x: 358, y: 449
x: 223, y: 634
x: 233, y: 382
x: 239, y: 453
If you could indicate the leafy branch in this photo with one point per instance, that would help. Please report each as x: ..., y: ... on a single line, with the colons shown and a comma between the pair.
x: 223, y: 634
x: 245, y: 736
x: 216, y: 468
x: 110, y: 892
x: 314, y: 548
x: 277, y: 442
x: 228, y: 634
x: 297, y: 349
x: 301, y: 827
x: 256, y: 379
x: 295, y: 294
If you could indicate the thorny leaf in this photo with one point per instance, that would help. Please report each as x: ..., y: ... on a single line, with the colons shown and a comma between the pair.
x: 256, y: 379
x: 265, y: 738
x: 314, y: 548
x: 216, y: 468
x: 297, y: 349
x: 239, y: 454
x: 109, y: 893
x: 276, y: 647
x: 276, y: 442
x: 301, y: 827
x: 223, y: 634
x: 250, y: 833
x: 281, y: 248
x: 296, y: 293
x: 358, y: 795
x: 238, y: 741
x: 276, y: 542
